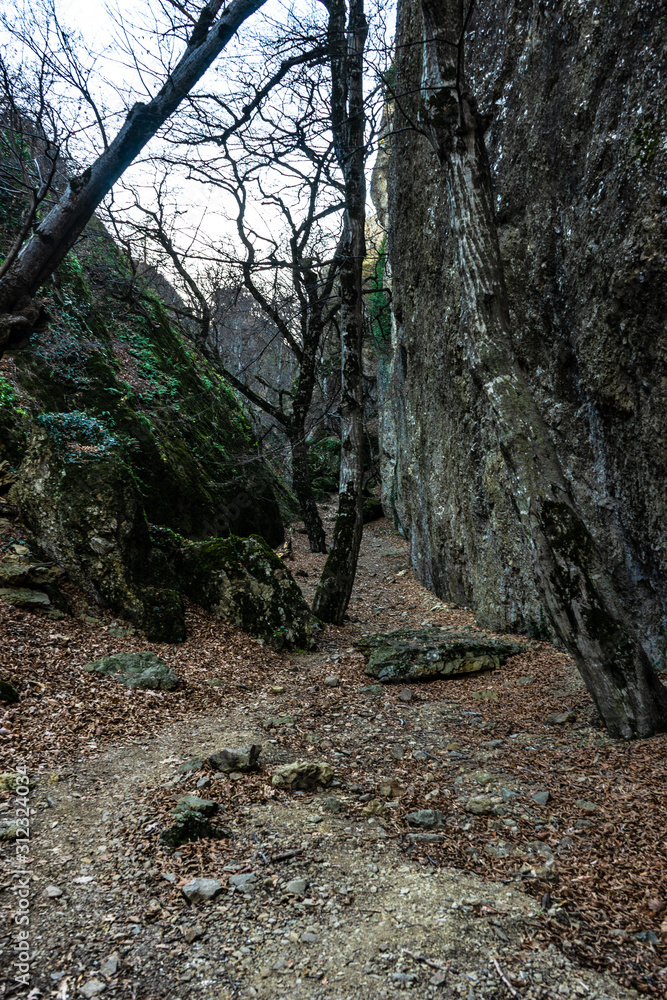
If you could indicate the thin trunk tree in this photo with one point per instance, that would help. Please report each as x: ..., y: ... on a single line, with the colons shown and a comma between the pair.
x: 581, y: 598
x: 347, y: 38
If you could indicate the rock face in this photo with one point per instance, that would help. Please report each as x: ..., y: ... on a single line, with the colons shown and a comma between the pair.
x: 244, y: 581
x: 574, y: 97
x: 425, y: 654
x: 78, y: 497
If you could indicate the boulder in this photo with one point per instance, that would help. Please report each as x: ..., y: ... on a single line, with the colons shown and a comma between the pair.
x: 192, y: 803
x: 302, y: 775
x: 237, y: 759
x: 31, y: 584
x: 243, y: 581
x: 428, y: 653
x: 77, y: 495
x: 136, y: 670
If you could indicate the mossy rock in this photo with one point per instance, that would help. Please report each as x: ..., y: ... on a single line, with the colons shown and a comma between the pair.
x: 189, y: 825
x: 136, y: 670
x: 78, y: 497
x: 243, y: 581
x: 429, y: 653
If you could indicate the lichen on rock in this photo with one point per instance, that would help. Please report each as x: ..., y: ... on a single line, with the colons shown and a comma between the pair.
x: 430, y: 653
x: 136, y: 670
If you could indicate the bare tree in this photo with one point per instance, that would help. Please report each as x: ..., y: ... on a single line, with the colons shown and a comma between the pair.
x: 347, y: 38
x: 211, y: 30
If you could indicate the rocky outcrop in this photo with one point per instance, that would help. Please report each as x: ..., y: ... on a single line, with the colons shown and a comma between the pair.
x: 242, y: 580
x: 573, y: 96
x: 78, y: 497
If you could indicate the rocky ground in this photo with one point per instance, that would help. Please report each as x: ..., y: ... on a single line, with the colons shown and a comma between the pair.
x: 481, y: 837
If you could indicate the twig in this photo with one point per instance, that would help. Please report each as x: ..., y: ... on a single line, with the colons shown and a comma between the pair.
x: 505, y: 979
x: 285, y: 856
x: 425, y: 960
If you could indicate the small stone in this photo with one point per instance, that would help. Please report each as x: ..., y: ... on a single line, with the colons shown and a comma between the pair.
x: 193, y: 933
x: 309, y: 938
x: 426, y: 818
x: 439, y: 978
x: 302, y: 775
x: 297, y: 886
x: 331, y: 682
x: 483, y: 777
x: 397, y: 752
x: 279, y: 721
x: 332, y: 804
x: 405, y: 694
x: 110, y: 966
x: 419, y: 755
x: 52, y: 892
x: 191, y: 803
x: 561, y: 718
x: 194, y: 764
x: 480, y: 804
x: 243, y: 882
x: 201, y: 889
x: 425, y: 838
x: 203, y: 782
x: 169, y: 877
x: 236, y: 758
x: 586, y: 805
x: 371, y: 690
x: 277, y: 689
x: 486, y: 695
x: 541, y: 798
x: 93, y: 988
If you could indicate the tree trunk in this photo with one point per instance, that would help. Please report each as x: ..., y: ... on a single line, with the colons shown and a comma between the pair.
x: 582, y: 601
x: 335, y: 586
x: 56, y: 235
x: 304, y: 490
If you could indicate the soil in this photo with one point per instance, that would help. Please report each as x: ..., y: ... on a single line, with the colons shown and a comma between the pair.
x: 517, y: 894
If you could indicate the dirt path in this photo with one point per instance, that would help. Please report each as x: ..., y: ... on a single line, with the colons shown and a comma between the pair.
x: 384, y: 906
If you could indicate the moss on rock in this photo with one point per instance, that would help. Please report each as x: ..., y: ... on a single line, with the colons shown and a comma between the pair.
x: 244, y: 581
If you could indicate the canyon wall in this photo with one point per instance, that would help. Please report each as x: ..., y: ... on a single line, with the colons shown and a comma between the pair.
x: 576, y: 140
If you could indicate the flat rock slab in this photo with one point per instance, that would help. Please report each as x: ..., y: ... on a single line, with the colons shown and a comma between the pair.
x: 428, y: 653
x: 136, y: 670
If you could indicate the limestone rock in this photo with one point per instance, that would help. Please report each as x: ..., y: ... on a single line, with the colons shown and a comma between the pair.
x: 481, y: 804
x: 136, y: 670
x: 191, y: 803
x: 302, y: 775
x: 426, y: 818
x: 297, y: 886
x: 243, y: 581
x: 236, y: 758
x: 78, y: 496
x: 427, y: 653
x: 199, y: 890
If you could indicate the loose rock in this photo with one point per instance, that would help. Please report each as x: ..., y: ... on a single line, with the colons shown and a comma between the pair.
x: 201, y: 889
x: 302, y: 775
x: 136, y: 670
x: 236, y: 758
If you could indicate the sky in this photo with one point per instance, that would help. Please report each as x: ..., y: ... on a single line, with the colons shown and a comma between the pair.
x: 97, y: 25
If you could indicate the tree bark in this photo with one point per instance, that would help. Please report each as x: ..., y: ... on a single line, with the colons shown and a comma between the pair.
x: 582, y: 601
x: 347, y: 112
x: 56, y: 235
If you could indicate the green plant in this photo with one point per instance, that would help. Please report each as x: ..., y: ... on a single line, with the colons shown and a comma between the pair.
x: 7, y: 393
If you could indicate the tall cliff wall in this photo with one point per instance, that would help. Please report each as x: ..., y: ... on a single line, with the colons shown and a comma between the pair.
x: 574, y: 95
